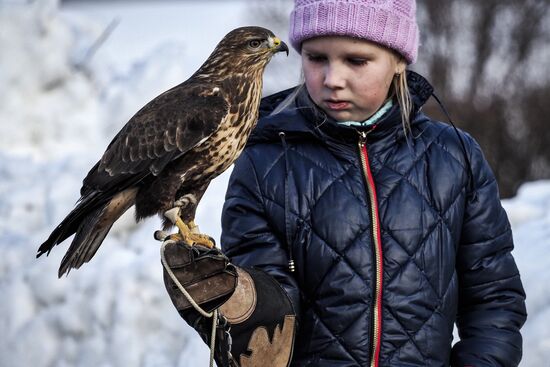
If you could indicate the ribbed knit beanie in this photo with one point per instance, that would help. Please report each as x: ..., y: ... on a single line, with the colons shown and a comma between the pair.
x: 391, y: 23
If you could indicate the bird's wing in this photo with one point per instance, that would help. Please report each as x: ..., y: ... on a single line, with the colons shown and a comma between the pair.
x: 164, y: 129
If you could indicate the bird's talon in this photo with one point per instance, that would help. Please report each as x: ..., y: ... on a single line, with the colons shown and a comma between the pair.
x: 202, y: 240
x: 189, y: 232
x: 160, y: 235
x: 174, y: 237
x: 213, y: 241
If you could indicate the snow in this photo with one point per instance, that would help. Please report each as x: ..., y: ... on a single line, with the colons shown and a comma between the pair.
x: 529, y: 213
x: 58, y: 111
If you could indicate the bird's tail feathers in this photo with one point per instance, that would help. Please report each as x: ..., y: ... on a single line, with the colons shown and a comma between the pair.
x: 69, y: 225
x: 89, y: 236
x: 92, y: 230
x: 91, y: 220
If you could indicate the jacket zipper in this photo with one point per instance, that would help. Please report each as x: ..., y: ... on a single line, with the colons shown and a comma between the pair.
x: 377, y: 314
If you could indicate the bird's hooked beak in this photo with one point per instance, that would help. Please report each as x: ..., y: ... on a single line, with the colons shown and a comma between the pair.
x: 276, y: 45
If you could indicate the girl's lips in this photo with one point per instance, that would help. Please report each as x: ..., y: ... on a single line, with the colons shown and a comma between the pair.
x: 337, y: 105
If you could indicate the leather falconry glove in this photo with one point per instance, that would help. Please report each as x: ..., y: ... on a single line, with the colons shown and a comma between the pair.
x: 257, y: 322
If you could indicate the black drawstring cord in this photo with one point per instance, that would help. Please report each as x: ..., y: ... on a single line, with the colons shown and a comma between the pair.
x: 291, y: 266
x: 468, y: 164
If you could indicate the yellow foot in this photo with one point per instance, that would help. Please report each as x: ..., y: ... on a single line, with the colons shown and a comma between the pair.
x: 202, y: 239
x: 188, y: 232
x: 163, y: 236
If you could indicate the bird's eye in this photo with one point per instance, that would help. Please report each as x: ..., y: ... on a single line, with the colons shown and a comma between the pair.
x: 255, y: 43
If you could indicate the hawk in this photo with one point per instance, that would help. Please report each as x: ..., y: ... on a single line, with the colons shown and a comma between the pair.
x: 165, y: 156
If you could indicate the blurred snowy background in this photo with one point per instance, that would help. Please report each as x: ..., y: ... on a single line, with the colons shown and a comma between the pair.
x: 70, y: 77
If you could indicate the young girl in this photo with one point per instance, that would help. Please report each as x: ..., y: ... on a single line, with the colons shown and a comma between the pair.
x: 383, y: 226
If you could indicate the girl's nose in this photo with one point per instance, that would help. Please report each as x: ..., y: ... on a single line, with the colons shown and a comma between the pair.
x: 334, y: 78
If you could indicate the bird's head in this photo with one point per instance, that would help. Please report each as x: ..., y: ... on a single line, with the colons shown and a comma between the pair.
x: 246, y: 47
x: 253, y: 42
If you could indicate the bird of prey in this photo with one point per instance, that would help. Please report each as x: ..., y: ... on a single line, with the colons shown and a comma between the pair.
x: 165, y: 156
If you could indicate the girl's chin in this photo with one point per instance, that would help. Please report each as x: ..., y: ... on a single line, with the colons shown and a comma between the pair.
x: 342, y: 116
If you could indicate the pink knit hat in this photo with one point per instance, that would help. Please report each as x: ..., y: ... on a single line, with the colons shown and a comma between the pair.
x: 391, y: 23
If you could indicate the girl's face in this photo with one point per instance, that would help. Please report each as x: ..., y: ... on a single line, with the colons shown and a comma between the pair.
x: 348, y: 78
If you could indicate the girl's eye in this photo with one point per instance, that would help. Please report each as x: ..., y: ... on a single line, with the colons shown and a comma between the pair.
x: 315, y: 58
x: 357, y: 61
x: 254, y: 43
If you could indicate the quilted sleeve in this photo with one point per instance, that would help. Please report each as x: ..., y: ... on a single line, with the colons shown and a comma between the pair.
x: 247, y: 237
x: 491, y: 307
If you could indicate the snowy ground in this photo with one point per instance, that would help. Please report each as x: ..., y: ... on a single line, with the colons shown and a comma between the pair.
x: 56, y: 116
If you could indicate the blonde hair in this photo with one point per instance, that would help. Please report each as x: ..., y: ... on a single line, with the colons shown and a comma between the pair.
x: 291, y: 97
x: 403, y: 96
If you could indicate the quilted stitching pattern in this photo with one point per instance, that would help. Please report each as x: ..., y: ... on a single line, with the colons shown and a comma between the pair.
x: 343, y: 263
x: 422, y: 195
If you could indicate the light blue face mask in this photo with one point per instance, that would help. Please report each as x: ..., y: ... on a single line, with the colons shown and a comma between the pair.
x: 371, y: 120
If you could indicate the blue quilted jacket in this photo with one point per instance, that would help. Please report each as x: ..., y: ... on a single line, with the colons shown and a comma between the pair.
x: 394, y: 238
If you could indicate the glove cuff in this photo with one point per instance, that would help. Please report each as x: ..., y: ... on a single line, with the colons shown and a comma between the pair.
x: 242, y: 303
x: 262, y: 335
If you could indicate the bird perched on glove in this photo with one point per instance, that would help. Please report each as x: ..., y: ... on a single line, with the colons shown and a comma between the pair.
x: 163, y: 159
